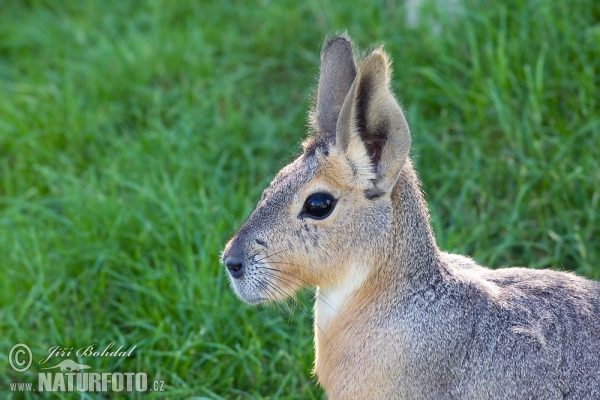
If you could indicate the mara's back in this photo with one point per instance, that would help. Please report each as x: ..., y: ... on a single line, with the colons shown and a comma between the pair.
x: 395, y: 317
x: 534, y: 334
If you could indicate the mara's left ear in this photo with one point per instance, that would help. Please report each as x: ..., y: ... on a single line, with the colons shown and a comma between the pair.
x: 371, y: 129
x: 335, y: 79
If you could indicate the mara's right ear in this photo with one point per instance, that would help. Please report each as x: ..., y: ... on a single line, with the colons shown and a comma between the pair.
x: 336, y: 75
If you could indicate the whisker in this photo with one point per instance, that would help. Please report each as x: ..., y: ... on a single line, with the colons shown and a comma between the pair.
x: 274, y: 287
x: 283, y: 282
x: 274, y: 254
x: 310, y: 316
x: 266, y: 285
x: 322, y: 295
x: 302, y: 266
x: 318, y: 295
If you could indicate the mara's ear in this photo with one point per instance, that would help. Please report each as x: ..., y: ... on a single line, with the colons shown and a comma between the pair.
x: 371, y: 129
x: 336, y: 75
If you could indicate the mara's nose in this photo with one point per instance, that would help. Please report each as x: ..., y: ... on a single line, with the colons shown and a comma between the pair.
x: 235, y: 266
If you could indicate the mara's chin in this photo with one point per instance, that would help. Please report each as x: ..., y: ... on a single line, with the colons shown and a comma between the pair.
x: 254, y: 300
x: 251, y: 292
x: 250, y: 298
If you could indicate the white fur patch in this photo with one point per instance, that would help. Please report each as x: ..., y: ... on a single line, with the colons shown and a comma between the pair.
x: 333, y: 300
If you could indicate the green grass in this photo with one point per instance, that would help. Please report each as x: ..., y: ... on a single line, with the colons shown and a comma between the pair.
x: 136, y: 137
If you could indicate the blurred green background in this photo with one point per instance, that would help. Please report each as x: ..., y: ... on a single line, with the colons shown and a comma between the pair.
x: 137, y: 136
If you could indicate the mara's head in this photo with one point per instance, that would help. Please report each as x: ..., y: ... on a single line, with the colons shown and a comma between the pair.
x: 328, y: 215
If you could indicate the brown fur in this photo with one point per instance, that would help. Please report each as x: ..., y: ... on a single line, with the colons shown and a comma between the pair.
x: 395, y: 317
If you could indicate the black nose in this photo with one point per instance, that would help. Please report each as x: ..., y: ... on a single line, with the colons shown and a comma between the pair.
x: 235, y: 267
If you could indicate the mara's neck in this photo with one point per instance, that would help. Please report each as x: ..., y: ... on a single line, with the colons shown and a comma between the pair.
x: 408, y: 256
x: 411, y: 261
x: 415, y: 255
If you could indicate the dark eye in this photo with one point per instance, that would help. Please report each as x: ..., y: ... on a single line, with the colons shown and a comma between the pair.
x: 318, y: 206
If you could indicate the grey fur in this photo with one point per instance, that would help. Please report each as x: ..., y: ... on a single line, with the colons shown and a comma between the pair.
x: 337, y: 73
x: 423, y: 324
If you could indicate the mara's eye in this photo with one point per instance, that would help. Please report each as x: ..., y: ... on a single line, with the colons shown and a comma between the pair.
x: 318, y: 206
